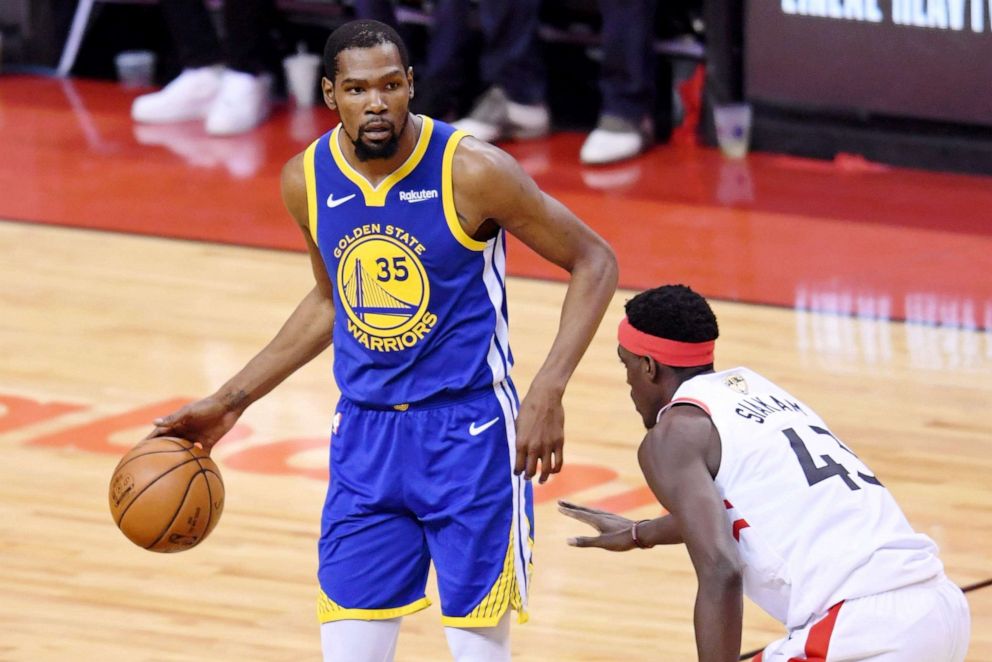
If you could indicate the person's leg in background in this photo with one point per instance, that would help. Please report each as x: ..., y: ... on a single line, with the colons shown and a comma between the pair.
x: 514, y: 105
x: 377, y: 10
x: 627, y: 80
x: 190, y: 95
x: 724, y: 21
x: 243, y: 101
x: 449, y: 65
x: 232, y: 100
x: 193, y: 33
x: 512, y: 59
x: 440, y: 80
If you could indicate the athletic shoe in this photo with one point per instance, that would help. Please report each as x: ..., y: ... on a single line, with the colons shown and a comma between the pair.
x: 616, y: 139
x: 495, y: 117
x: 188, y: 97
x: 241, y: 104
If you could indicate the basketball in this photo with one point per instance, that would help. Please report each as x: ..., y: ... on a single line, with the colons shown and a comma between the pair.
x: 166, y: 495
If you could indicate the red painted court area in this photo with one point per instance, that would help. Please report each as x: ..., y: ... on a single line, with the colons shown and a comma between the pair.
x: 847, y: 237
x: 274, y: 457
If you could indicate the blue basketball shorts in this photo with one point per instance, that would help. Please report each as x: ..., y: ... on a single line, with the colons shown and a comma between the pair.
x: 420, y: 483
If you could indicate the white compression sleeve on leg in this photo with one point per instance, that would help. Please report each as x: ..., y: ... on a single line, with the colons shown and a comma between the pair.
x: 480, y: 644
x: 360, y: 641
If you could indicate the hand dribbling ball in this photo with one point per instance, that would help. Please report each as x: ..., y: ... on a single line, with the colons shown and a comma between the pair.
x: 166, y: 495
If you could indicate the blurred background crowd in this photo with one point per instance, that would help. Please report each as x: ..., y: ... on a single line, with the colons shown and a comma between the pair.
x: 824, y: 78
x: 625, y: 71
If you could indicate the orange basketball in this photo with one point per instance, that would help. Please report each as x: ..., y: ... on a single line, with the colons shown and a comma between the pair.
x: 166, y: 495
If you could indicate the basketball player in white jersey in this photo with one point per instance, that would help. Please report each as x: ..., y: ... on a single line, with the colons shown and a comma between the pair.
x: 771, y: 504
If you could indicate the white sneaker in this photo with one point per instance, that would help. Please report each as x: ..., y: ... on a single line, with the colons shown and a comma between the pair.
x: 616, y: 139
x: 241, y: 105
x: 495, y: 117
x: 188, y: 97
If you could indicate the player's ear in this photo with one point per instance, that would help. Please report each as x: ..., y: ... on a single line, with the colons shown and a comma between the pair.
x: 651, y: 367
x: 409, y: 79
x: 327, y: 87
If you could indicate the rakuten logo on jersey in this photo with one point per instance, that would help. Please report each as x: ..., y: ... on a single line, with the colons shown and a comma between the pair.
x: 418, y: 196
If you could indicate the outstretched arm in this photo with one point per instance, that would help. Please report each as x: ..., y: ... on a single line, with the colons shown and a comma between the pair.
x: 679, y: 458
x: 616, y: 533
x: 491, y: 190
x: 305, y: 334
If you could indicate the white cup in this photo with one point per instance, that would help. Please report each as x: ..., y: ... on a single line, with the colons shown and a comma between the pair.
x: 135, y: 68
x: 733, y: 128
x: 302, y: 71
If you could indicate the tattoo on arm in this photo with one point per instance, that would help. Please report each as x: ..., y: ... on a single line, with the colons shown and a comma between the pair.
x: 235, y: 400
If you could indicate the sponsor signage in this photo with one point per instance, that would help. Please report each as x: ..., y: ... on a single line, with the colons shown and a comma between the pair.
x: 925, y: 59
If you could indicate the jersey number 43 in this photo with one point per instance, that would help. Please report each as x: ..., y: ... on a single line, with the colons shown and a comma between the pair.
x: 830, y: 468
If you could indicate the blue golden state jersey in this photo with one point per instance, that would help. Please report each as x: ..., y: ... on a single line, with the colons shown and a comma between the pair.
x: 420, y: 305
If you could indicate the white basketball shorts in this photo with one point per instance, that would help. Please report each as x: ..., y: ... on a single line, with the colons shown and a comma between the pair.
x: 925, y: 622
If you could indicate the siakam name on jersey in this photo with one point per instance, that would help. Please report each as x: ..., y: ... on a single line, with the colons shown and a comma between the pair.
x: 758, y: 409
x: 418, y: 196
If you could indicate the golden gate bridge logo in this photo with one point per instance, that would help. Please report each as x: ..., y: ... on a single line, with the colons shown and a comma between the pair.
x: 368, y: 298
x: 383, y: 287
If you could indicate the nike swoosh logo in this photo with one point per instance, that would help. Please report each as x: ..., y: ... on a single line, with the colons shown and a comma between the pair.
x: 332, y: 203
x: 476, y: 431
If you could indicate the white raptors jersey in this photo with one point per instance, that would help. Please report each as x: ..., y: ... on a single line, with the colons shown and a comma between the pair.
x: 813, y: 524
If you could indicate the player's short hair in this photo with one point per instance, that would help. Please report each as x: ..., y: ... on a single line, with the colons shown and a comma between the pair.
x: 364, y: 33
x: 674, y: 312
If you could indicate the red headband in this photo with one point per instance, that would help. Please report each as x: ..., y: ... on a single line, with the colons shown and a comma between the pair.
x: 670, y: 352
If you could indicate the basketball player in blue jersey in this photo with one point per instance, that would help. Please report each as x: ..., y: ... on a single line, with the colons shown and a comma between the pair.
x: 431, y: 450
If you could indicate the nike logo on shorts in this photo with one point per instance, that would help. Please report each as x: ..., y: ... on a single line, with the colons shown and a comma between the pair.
x: 332, y: 203
x: 476, y: 431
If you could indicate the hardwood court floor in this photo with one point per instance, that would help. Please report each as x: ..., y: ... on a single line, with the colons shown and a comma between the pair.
x: 100, y: 331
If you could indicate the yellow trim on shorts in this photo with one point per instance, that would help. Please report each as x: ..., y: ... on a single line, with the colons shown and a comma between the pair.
x: 329, y: 611
x: 489, y: 622
x: 504, y: 594
x: 310, y: 176
x: 375, y: 196
x: 448, y: 195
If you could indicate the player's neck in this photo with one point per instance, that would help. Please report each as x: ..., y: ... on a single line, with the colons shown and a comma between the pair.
x: 673, y: 378
x: 376, y: 170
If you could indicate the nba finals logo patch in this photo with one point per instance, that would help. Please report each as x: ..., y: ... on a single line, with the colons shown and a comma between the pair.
x: 737, y: 383
x: 383, y: 287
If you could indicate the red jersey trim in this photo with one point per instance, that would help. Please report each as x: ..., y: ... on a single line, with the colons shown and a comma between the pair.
x: 818, y: 641
x: 691, y: 401
x: 738, y: 526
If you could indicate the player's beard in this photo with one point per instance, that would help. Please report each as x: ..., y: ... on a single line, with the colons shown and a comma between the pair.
x: 383, y: 150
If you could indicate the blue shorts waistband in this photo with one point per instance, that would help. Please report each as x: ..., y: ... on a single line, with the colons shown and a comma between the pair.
x: 442, y: 399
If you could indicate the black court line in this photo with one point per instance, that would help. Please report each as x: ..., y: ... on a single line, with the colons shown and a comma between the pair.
x: 627, y: 287
x: 977, y: 585
x: 964, y: 589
